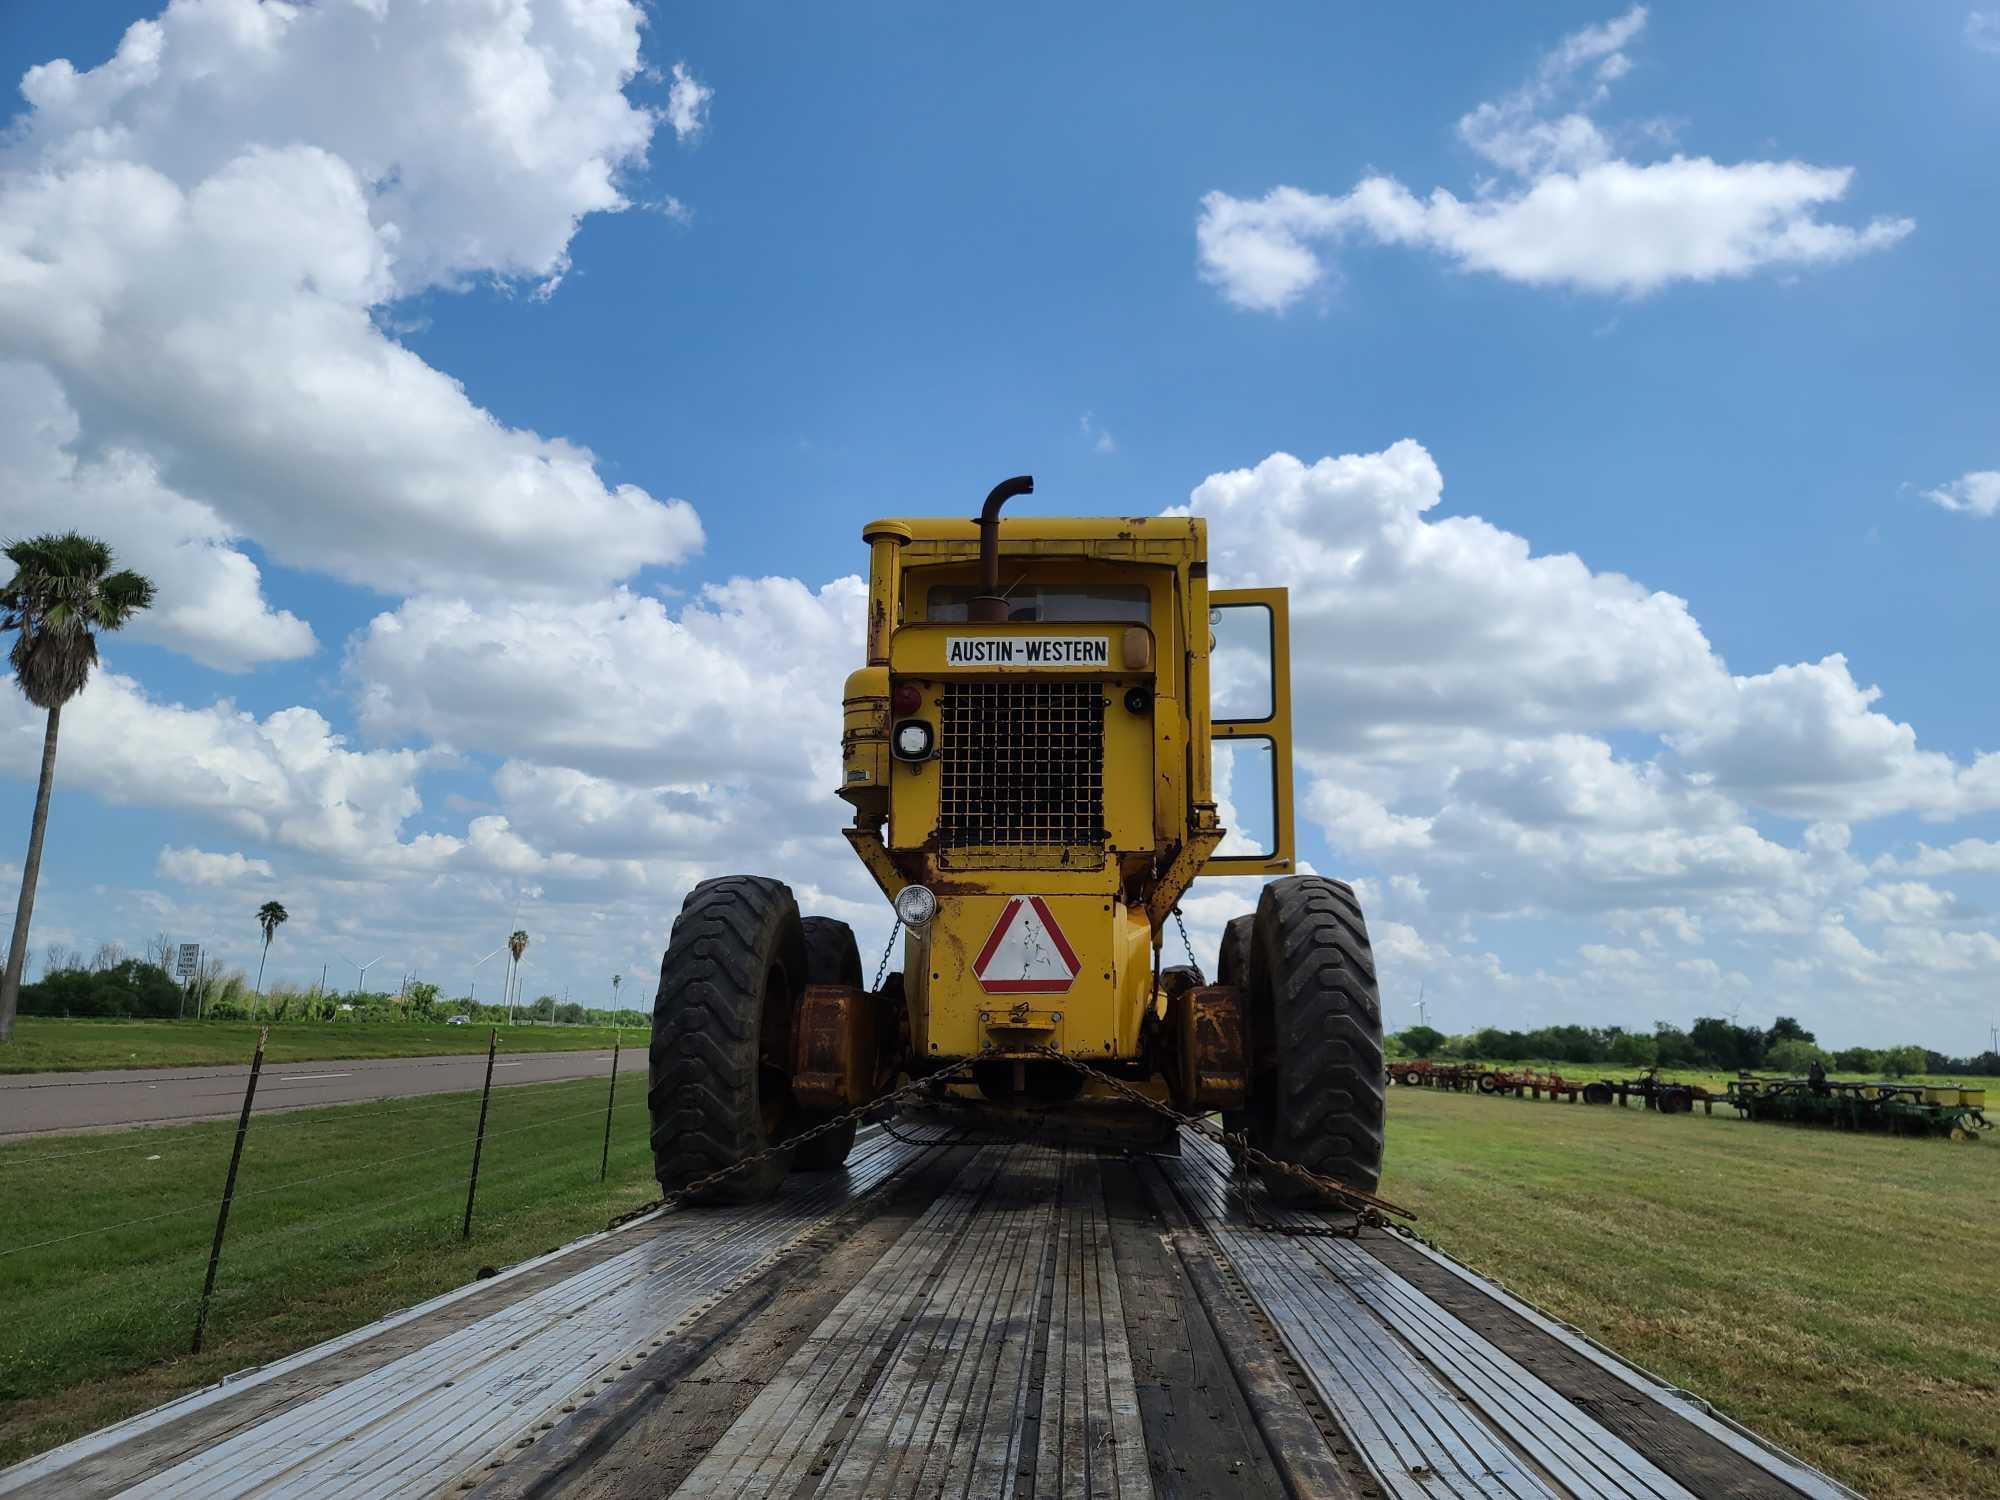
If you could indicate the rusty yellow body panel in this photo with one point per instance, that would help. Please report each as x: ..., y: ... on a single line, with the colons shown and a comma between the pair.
x: 957, y: 1010
x: 1046, y: 776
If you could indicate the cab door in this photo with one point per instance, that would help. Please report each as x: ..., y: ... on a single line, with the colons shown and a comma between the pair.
x: 1250, y: 711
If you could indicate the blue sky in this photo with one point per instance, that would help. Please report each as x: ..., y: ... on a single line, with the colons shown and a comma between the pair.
x: 869, y: 260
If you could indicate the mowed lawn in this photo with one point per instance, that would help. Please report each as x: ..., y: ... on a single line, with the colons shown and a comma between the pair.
x: 1836, y: 1292
x: 42, y: 1045
x: 341, y: 1215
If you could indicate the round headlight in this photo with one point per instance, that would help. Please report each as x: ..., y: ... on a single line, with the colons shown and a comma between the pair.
x: 913, y: 740
x: 915, y: 905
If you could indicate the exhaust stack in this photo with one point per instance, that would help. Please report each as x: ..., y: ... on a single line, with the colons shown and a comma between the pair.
x: 987, y: 607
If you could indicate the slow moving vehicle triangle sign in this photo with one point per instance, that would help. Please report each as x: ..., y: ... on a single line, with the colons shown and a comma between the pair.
x: 1026, y: 953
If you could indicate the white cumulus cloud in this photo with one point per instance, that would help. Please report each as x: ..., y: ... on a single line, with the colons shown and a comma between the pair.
x: 200, y: 867
x: 1571, y: 212
x: 1976, y: 493
x: 199, y: 238
x: 211, y: 601
x: 687, y: 103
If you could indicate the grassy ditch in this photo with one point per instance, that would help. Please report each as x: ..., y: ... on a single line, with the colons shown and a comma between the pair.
x: 1833, y: 1291
x: 341, y: 1215
x: 42, y: 1045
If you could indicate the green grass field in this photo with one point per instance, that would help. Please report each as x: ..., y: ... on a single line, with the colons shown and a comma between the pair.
x: 341, y: 1215
x: 1835, y: 1292
x: 41, y: 1045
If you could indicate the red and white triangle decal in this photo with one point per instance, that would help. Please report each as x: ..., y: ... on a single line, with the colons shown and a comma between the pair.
x: 1026, y: 953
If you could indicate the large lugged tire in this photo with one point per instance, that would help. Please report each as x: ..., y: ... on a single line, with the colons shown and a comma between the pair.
x: 1316, y: 1035
x: 832, y: 957
x: 1232, y: 966
x: 719, y: 1088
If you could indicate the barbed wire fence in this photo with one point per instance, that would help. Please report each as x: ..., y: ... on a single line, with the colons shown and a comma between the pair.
x: 238, y: 1219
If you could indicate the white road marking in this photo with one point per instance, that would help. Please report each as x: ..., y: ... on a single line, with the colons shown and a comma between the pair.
x: 309, y: 1077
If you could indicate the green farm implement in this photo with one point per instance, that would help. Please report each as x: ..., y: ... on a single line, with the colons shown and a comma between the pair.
x: 1895, y: 1108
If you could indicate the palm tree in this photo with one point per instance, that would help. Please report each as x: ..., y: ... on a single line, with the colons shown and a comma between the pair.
x: 63, y: 590
x: 270, y: 917
x: 517, y: 944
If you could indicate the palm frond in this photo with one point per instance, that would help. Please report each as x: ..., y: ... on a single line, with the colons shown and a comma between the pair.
x: 63, y: 589
x: 120, y: 597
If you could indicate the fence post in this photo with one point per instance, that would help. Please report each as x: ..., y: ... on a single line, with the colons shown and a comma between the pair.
x: 229, y: 1187
x: 604, y: 1166
x: 479, y: 1141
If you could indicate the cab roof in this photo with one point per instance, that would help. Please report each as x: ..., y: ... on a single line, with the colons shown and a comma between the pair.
x: 1024, y: 531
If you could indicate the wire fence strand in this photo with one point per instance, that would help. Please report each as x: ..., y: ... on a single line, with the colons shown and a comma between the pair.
x: 237, y: 1070
x: 265, y: 1120
x: 207, y: 1204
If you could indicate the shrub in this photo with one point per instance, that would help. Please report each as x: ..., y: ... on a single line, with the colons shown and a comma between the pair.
x: 1901, y: 1062
x: 1794, y: 1056
x: 1630, y: 1050
x: 1420, y: 1041
x: 130, y: 988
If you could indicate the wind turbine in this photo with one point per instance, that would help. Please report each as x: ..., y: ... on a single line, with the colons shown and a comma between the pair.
x: 361, y: 971
x: 514, y: 996
x: 475, y: 971
x: 1423, y: 1011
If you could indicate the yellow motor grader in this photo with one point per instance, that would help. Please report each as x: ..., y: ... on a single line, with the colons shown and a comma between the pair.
x: 1058, y: 728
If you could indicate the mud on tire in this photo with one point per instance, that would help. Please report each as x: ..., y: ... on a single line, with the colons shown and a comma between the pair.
x: 1232, y: 966
x: 1317, y: 1081
x: 832, y: 957
x: 719, y: 1066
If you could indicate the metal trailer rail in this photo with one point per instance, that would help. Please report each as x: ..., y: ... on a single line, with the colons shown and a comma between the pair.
x: 953, y: 1317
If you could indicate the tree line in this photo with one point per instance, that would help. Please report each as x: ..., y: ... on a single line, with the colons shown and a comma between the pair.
x: 110, y: 984
x: 1712, y: 1042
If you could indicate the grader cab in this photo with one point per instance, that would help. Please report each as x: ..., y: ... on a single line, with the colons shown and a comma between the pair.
x: 1058, y: 728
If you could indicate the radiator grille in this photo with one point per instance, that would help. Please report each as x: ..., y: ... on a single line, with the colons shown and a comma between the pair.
x: 1023, y: 763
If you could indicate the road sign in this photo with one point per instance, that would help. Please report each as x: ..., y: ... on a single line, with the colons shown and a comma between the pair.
x: 188, y: 961
x: 1026, y: 953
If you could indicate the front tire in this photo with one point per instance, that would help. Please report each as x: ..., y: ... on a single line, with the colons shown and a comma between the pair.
x: 1232, y: 967
x: 719, y: 1067
x: 1316, y: 1032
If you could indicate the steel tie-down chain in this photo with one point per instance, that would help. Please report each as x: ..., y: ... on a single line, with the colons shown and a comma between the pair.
x: 1368, y: 1208
x: 882, y: 969
x: 680, y: 1196
x: 1193, y: 962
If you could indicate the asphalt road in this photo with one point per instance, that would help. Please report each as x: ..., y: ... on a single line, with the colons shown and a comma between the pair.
x: 38, y: 1103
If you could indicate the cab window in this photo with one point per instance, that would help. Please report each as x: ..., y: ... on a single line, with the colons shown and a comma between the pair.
x: 1033, y: 602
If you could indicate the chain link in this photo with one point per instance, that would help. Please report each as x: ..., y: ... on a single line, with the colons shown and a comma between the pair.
x: 1193, y: 962
x: 882, y: 969
x: 681, y: 1196
x: 1369, y: 1208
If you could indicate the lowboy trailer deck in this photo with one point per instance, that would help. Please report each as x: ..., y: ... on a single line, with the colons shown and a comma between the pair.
x: 950, y: 1314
